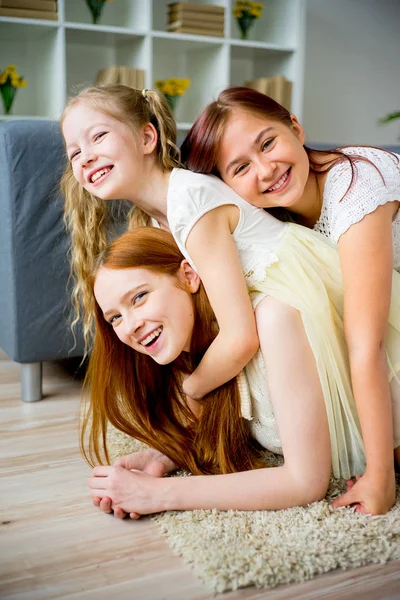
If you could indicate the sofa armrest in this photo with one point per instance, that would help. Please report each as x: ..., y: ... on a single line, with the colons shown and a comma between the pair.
x: 34, y: 268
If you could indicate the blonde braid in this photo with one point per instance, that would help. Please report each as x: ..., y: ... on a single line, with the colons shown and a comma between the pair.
x: 169, y: 155
x: 85, y: 217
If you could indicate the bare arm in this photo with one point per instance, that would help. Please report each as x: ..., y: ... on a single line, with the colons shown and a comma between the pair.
x: 366, y: 257
x: 214, y: 252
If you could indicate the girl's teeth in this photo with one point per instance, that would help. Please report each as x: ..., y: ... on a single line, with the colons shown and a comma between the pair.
x: 151, y: 337
x: 279, y: 184
x: 98, y: 174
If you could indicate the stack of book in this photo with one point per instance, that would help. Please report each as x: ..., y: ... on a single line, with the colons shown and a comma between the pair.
x: 197, y: 19
x: 29, y: 9
x: 278, y: 88
x: 124, y: 75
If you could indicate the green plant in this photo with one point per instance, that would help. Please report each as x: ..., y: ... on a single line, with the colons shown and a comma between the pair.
x: 10, y: 81
x: 390, y: 117
x: 96, y: 8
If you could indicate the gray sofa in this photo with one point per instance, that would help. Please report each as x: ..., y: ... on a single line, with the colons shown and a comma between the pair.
x: 34, y: 270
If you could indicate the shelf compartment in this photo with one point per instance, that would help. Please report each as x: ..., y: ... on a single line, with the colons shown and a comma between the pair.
x: 132, y: 14
x: 21, y: 44
x: 205, y: 65
x: 88, y: 51
x: 249, y: 62
x: 277, y: 24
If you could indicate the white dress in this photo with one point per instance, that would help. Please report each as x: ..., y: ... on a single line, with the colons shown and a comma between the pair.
x: 370, y: 188
x: 301, y: 268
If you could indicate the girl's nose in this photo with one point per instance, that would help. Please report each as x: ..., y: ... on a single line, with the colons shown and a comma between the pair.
x: 265, y: 170
x: 133, y: 325
x: 87, y: 157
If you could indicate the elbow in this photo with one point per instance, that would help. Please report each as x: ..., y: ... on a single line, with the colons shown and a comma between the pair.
x: 244, y: 347
x: 312, y: 487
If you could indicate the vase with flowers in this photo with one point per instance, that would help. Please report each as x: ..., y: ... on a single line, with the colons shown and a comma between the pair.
x: 96, y: 8
x: 10, y: 81
x: 246, y: 13
x: 172, y: 89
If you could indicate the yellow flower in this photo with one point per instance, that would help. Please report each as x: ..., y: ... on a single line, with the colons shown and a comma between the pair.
x: 10, y: 77
x: 251, y: 9
x: 172, y: 86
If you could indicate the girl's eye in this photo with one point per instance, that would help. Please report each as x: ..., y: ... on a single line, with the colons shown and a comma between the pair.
x: 112, y: 320
x: 240, y: 169
x: 139, y: 297
x: 74, y: 154
x: 267, y: 144
x: 98, y: 136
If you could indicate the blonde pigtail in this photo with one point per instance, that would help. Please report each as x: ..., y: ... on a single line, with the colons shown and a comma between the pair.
x: 85, y: 217
x: 169, y: 155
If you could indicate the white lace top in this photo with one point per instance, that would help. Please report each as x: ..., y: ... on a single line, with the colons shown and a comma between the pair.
x: 371, y: 188
x: 257, y: 235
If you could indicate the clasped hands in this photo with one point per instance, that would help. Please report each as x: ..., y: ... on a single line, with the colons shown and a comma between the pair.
x: 132, y: 486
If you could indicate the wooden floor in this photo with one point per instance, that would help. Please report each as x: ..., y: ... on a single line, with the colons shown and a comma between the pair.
x: 54, y: 544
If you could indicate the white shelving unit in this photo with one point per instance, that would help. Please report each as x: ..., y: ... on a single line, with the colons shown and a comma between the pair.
x: 57, y: 58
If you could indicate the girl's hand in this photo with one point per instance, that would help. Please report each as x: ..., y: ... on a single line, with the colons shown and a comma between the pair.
x: 149, y: 461
x: 368, y: 496
x: 133, y: 492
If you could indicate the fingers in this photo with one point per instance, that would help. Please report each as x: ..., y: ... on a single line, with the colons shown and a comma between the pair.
x: 344, y: 500
x: 134, y: 515
x: 105, y: 505
x: 101, y: 471
x: 97, y: 483
x: 361, y: 509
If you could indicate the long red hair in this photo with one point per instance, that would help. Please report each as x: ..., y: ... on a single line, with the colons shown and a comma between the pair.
x: 144, y: 399
x: 200, y: 148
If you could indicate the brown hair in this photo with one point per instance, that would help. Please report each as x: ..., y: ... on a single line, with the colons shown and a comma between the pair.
x: 200, y: 149
x: 144, y: 399
x: 88, y: 217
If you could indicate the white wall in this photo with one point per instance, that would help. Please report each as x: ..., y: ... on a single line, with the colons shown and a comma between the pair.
x: 352, y: 71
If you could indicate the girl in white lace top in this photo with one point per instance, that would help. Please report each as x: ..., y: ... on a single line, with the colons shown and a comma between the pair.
x: 351, y: 196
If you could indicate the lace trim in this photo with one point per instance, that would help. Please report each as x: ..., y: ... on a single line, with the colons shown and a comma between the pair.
x: 255, y: 269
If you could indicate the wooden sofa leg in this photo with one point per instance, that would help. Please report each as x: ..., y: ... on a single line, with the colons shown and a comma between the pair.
x: 31, y: 381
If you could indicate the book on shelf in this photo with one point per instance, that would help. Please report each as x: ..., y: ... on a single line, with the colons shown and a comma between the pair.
x: 23, y: 13
x: 277, y: 87
x: 196, y: 31
x: 107, y: 75
x: 196, y: 22
x: 45, y: 5
x: 176, y: 15
x: 189, y: 7
x: 124, y: 75
x: 197, y: 19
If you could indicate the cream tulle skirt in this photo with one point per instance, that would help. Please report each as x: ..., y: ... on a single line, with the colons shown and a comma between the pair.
x: 308, y: 277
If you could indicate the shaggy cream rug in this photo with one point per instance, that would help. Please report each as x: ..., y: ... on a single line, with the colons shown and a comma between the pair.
x: 233, y: 549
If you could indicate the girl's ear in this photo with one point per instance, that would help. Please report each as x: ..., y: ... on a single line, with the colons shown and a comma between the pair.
x: 189, y: 277
x: 298, y: 130
x: 149, y: 138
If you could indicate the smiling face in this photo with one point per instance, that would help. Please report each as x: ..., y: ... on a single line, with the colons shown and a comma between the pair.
x: 147, y: 310
x: 105, y: 154
x: 263, y: 160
